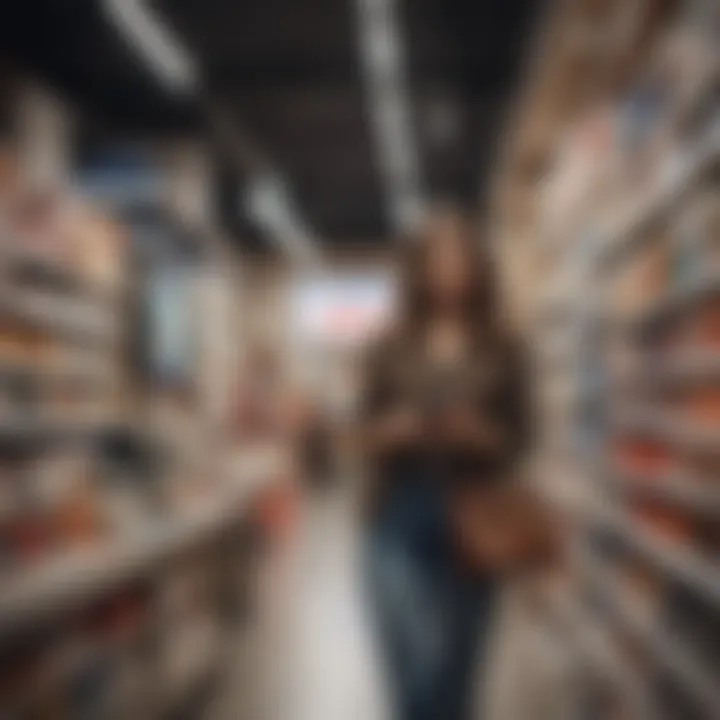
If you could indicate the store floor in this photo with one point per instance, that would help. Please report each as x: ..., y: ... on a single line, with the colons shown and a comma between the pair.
x: 307, y: 653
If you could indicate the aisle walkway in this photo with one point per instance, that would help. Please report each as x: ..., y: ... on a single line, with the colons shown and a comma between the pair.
x: 308, y: 654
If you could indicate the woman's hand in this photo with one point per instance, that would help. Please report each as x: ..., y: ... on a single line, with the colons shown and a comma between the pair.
x: 463, y: 426
x: 399, y: 426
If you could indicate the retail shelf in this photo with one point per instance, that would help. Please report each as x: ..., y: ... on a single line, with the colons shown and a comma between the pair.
x: 78, y: 373
x: 79, y: 577
x: 80, y: 319
x: 676, y: 303
x: 678, y: 369
x: 678, y: 561
x: 672, y: 430
x: 591, y: 637
x: 50, y: 272
x: 674, y: 487
x: 695, y: 365
x: 665, y: 650
x: 601, y: 243
x: 18, y: 432
x: 672, y: 181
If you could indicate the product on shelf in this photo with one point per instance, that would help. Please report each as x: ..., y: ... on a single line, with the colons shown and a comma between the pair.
x: 702, y: 328
x: 30, y: 539
x: 667, y: 521
x: 701, y: 408
x: 698, y: 245
x: 643, y: 458
x: 36, y: 223
x: 78, y: 519
x: 645, y: 277
x: 96, y: 665
x: 99, y: 251
x: 582, y: 175
x: 641, y: 584
x: 21, y: 345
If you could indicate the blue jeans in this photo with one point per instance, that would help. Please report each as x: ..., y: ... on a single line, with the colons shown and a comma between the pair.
x: 431, y: 617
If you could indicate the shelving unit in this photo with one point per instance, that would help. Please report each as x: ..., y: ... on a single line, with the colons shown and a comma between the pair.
x: 581, y: 630
x: 676, y: 177
x: 683, y: 489
x: 624, y: 305
x: 123, y: 508
x: 74, y: 579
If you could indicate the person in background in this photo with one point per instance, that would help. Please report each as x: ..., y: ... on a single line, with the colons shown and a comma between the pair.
x: 316, y: 449
x: 445, y: 424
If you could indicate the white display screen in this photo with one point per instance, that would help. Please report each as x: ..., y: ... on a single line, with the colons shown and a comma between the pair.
x: 344, y: 309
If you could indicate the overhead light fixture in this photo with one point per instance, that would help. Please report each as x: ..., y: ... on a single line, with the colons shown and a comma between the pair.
x: 163, y: 52
x: 268, y: 200
x: 389, y: 101
x: 269, y: 204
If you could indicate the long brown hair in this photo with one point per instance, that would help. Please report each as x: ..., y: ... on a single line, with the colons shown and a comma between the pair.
x: 480, y: 306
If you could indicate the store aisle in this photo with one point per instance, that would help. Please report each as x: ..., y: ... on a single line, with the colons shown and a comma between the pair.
x: 307, y: 653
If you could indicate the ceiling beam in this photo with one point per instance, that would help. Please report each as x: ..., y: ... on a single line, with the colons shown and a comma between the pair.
x: 382, y: 52
x: 267, y: 200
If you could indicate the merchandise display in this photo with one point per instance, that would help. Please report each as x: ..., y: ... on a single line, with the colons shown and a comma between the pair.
x: 96, y: 666
x: 113, y: 511
x: 650, y: 448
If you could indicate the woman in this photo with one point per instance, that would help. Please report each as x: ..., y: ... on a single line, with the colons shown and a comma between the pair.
x: 446, y: 419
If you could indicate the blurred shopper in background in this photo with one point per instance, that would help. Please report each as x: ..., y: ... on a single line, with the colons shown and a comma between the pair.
x: 447, y: 419
x: 317, y: 448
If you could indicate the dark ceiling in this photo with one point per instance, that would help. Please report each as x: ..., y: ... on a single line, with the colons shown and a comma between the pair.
x: 290, y: 72
x: 70, y: 44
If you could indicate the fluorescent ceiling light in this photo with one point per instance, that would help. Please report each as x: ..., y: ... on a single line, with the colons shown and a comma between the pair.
x: 268, y: 200
x: 382, y: 57
x: 270, y: 206
x: 162, y: 51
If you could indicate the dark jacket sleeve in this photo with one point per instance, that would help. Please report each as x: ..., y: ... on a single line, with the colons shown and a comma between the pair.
x: 376, y: 390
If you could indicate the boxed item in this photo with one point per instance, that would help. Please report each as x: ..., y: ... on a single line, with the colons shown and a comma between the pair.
x: 583, y: 172
x: 667, y: 521
x: 701, y: 407
x: 37, y: 223
x: 642, y: 584
x: 98, y: 251
x: 644, y: 279
x: 642, y: 458
x: 702, y: 328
